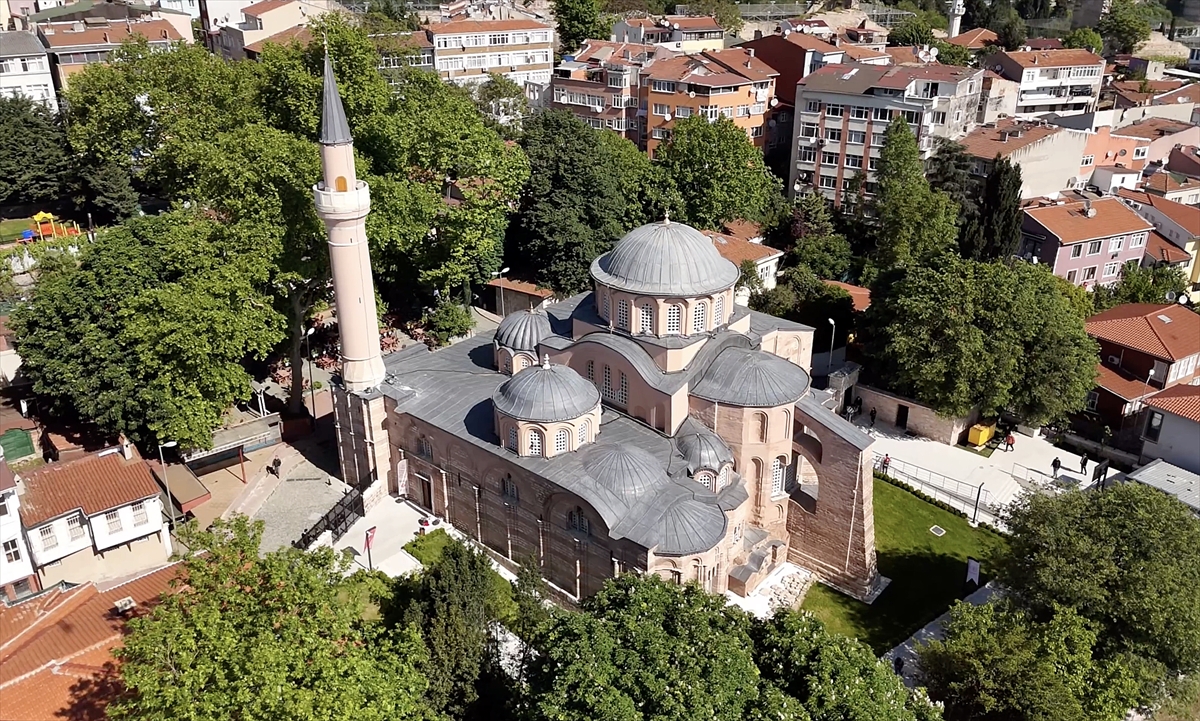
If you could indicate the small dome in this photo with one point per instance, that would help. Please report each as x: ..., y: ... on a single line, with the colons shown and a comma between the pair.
x: 752, y: 379
x: 627, y: 471
x: 690, y: 526
x: 665, y: 259
x: 703, y: 449
x: 546, y: 393
x: 523, y: 330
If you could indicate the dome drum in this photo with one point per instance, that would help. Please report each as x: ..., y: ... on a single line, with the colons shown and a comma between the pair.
x: 665, y: 259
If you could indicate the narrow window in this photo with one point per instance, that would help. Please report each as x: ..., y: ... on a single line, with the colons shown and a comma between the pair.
x: 578, y: 522
x: 777, y: 475
x: 623, y: 314
x: 562, y: 440
x: 582, y: 434
x: 508, y: 489
x: 75, y: 526
x: 49, y: 540
x: 674, y: 320
x: 140, y: 517
x: 340, y: 184
x: 512, y: 438
x: 646, y: 318
x: 719, y: 312
x: 114, y: 521
x: 535, y: 443
x: 700, y: 318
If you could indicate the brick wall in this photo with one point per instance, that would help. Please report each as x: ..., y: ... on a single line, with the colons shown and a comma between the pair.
x: 922, y: 420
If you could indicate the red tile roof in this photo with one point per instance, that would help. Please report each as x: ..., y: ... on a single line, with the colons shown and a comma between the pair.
x: 265, y: 6
x: 1184, y: 159
x: 715, y: 68
x: 1162, y: 182
x: 1044, y: 43
x: 1066, y: 58
x: 736, y: 250
x: 61, y: 640
x: 1070, y: 222
x: 985, y: 142
x: 1185, y: 216
x: 1182, y: 400
x: 1164, y: 251
x: 153, y: 30
x: 94, y: 483
x: 976, y: 39
x: 299, y: 33
x: 860, y: 295
x: 1138, y: 92
x: 484, y: 26
x: 1121, y: 383
x: 857, y: 52
x: 520, y: 286
x: 1153, y: 128
x: 1140, y: 326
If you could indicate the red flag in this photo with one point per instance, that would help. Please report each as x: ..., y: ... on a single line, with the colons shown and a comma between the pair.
x: 370, y: 538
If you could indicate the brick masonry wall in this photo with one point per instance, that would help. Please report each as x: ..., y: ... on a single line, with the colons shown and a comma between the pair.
x: 922, y: 420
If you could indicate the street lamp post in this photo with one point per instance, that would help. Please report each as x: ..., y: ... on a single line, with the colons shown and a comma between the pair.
x: 500, y: 289
x: 312, y: 389
x: 832, y: 335
x: 167, y: 477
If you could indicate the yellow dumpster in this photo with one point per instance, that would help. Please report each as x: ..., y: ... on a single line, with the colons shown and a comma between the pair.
x: 980, y: 434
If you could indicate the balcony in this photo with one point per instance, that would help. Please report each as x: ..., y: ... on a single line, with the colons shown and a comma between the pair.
x: 342, y: 205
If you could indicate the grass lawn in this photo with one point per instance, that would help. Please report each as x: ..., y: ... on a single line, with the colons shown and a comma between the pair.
x: 927, y: 572
x: 428, y: 549
x: 11, y: 229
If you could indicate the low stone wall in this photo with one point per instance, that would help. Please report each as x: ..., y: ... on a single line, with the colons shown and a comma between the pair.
x: 922, y: 420
x: 374, y: 495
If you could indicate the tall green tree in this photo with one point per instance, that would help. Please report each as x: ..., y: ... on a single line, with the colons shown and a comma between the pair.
x: 102, y: 191
x: 1007, y: 23
x: 269, y: 637
x: 911, y: 31
x: 147, y: 333
x: 1000, y: 209
x: 1084, y: 39
x: 726, y: 12
x: 996, y: 662
x: 718, y: 172
x: 949, y: 171
x: 951, y: 54
x: 810, y: 240
x: 1124, y: 25
x: 803, y: 297
x: 914, y: 223
x: 1138, y: 284
x: 578, y: 20
x: 33, y: 157
x: 1127, y: 559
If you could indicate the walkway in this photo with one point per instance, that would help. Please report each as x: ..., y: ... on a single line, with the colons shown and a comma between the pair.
x: 395, y: 523
x: 931, y: 632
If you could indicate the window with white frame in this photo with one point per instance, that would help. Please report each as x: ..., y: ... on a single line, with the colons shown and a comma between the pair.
x: 860, y: 113
x: 49, y: 539
x: 777, y: 475
x: 939, y: 117
x: 806, y: 155
x: 700, y: 318
x: 646, y: 318
x: 578, y: 522
x: 1088, y: 160
x: 812, y: 106
x: 1111, y: 269
x: 75, y: 527
x: 856, y: 137
x: 1089, y: 273
x: 881, y: 114
x: 912, y: 117
x: 830, y: 158
x: 512, y: 438
x: 872, y: 163
x: 833, y: 134
x: 1141, y: 153
x: 683, y: 111
x: 723, y: 477
x: 1094, y: 247
x: 719, y: 311
x: 1093, y: 399
x: 833, y: 111
x: 1077, y: 250
x: 743, y: 111
x: 674, y: 319
x: 581, y: 436
x: 562, y: 440
x: 623, y: 314
x: 1137, y: 240
x: 828, y: 181
x: 140, y: 517
x: 535, y: 443
x: 662, y: 86
x: 12, y: 551
x: 662, y: 109
x: 808, y: 130
x: 877, y: 139
x: 854, y: 161
x: 1115, y: 244
x: 113, y: 519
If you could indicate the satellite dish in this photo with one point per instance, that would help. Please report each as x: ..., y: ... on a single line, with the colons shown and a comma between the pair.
x: 1183, y: 299
x: 1171, y: 296
x: 691, y: 93
x: 774, y: 102
x: 789, y: 32
x: 806, y: 29
x: 667, y: 117
x: 924, y: 57
x: 675, y: 26
x: 933, y: 52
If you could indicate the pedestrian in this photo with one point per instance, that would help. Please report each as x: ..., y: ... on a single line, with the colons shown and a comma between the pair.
x: 1083, y: 464
x: 1009, y: 442
x: 1057, y: 464
x: 898, y: 665
x: 887, y: 461
x: 275, y: 464
x: 872, y: 416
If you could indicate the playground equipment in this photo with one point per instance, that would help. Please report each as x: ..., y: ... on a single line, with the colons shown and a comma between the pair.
x: 45, y: 226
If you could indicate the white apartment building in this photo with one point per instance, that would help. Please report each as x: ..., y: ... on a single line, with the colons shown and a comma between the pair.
x: 1066, y: 82
x: 191, y: 7
x: 681, y: 33
x: 842, y: 114
x: 264, y: 19
x: 17, y: 578
x: 467, y: 51
x: 25, y: 68
x: 94, y: 518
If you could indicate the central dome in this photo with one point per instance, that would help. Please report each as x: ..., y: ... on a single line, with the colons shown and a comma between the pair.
x: 545, y: 394
x: 666, y: 259
x: 627, y: 471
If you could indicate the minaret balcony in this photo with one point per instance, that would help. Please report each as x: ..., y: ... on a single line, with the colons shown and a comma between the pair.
x: 342, y: 205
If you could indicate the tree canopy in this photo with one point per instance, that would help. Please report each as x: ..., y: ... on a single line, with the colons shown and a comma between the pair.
x: 1125, y: 25
x: 809, y: 239
x: 1138, y: 284
x: 579, y: 20
x: 1084, y: 39
x: 912, y: 31
x: 33, y: 157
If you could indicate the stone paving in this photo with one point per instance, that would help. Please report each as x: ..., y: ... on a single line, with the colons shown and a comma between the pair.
x: 782, y: 588
x: 299, y: 498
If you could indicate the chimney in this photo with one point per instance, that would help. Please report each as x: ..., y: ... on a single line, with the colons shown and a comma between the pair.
x: 126, y: 447
x: 751, y: 52
x: 106, y: 37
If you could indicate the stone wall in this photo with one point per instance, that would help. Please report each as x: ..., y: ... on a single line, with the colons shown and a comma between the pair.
x: 364, y: 453
x: 922, y: 420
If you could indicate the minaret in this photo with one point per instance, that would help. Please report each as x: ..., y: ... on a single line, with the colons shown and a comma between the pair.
x: 957, y: 10
x: 343, y: 202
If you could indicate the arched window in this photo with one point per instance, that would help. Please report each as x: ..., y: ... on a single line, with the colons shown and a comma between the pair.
x: 623, y: 390
x: 522, y: 362
x: 706, y: 479
x: 700, y: 317
x: 723, y: 477
x: 424, y: 448
x: 787, y: 423
x: 623, y: 314
x: 339, y: 184
x: 777, y: 466
x: 535, y: 443
x: 719, y: 311
x: 591, y: 371
x: 606, y: 388
x: 507, y: 363
x: 646, y: 318
x: 604, y: 292
x: 578, y: 522
x: 759, y: 427
x: 562, y: 440
x: 581, y: 434
x: 508, y: 489
x: 512, y: 438
x: 674, y: 319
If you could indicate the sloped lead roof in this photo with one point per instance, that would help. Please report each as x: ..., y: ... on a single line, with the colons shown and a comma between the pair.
x: 665, y: 259
x: 334, y: 128
x: 523, y: 330
x: 627, y: 471
x: 752, y: 379
x: 546, y: 393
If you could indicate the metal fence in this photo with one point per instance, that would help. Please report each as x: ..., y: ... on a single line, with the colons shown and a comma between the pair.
x: 972, y: 499
x: 338, y: 520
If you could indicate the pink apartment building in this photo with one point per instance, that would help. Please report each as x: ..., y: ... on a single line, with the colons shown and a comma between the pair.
x: 1085, y: 241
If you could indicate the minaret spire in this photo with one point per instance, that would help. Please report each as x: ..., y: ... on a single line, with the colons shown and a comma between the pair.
x: 343, y: 202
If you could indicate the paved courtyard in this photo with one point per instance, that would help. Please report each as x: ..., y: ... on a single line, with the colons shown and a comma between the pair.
x: 395, y: 523
x: 299, y: 499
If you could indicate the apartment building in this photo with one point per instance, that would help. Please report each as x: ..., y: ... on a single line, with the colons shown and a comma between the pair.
x: 601, y: 85
x: 216, y: 14
x: 1050, y: 156
x: 466, y: 51
x: 1164, y: 135
x: 1173, y: 186
x: 25, y: 69
x: 1087, y: 242
x: 1172, y: 427
x: 1178, y: 223
x: 681, y: 33
x: 842, y: 114
x: 1112, y: 160
x: 732, y: 83
x: 794, y: 55
x: 1065, y: 82
x: 74, y: 45
x: 265, y: 19
x: 17, y: 577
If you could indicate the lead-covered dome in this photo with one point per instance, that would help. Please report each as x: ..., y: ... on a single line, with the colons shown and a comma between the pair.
x: 752, y: 379
x: 523, y: 330
x: 627, y: 471
x: 546, y: 394
x: 690, y: 526
x: 703, y: 449
x: 665, y: 259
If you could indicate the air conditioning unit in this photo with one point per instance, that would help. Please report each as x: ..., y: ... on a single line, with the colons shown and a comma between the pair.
x: 1113, y: 360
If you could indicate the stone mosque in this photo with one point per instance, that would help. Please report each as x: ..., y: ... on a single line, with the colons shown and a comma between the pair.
x: 650, y: 425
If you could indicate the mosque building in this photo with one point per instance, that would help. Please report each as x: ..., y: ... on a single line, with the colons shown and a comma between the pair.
x: 650, y: 425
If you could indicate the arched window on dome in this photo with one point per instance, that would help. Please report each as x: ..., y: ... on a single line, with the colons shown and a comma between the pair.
x: 787, y: 423
x: 507, y: 363
x: 623, y: 390
x: 623, y: 314
x: 719, y: 311
x: 605, y: 314
x: 535, y: 443
x: 512, y: 438
x: 562, y: 441
x: 578, y: 522
x: 522, y: 362
x: 706, y: 479
x: 582, y: 434
x: 646, y: 319
x: 591, y: 371
x: 700, y: 317
x: 723, y: 477
x: 759, y: 427
x: 674, y: 319
x: 777, y: 474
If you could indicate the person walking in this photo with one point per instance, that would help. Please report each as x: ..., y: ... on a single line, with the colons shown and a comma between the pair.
x: 887, y: 461
x: 1009, y: 442
x: 872, y: 416
x: 1056, y: 464
x: 1083, y: 461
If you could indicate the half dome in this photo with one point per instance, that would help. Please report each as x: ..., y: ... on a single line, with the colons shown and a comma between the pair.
x: 752, y: 379
x: 665, y: 259
x: 690, y: 526
x: 523, y: 330
x: 627, y: 471
x: 545, y: 394
x: 703, y: 449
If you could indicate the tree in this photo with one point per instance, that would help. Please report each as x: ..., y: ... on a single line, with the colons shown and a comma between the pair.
x: 1124, y: 25
x: 951, y: 54
x: 1008, y: 25
x: 578, y: 20
x: 104, y: 190
x: 996, y: 662
x: 912, y: 31
x: 811, y: 241
x: 1084, y: 39
x: 1126, y: 558
x: 832, y: 676
x: 265, y: 637
x: 964, y: 334
x: 147, y: 334
x: 33, y: 159
x: 726, y: 12
x: 803, y: 297
x: 1000, y: 208
x: 1150, y: 284
x: 914, y: 222
x: 718, y: 172
x: 949, y: 172
x: 645, y: 649
x: 503, y: 105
